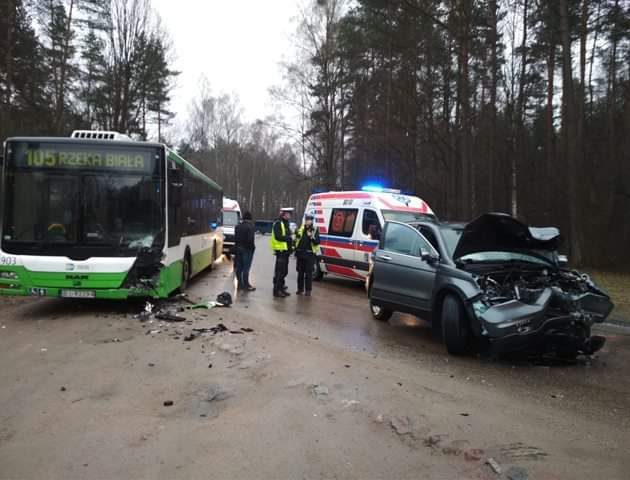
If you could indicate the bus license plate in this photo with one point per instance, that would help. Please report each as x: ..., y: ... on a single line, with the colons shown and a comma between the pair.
x: 37, y: 292
x: 78, y: 294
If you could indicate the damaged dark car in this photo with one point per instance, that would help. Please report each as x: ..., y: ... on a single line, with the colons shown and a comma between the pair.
x: 494, y: 282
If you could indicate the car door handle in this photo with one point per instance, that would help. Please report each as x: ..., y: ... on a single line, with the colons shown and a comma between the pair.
x: 387, y: 258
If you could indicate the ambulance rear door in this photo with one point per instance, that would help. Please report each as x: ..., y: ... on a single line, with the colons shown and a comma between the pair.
x: 340, y: 241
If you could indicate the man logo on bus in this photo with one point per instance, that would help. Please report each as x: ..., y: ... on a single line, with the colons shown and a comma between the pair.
x: 70, y: 267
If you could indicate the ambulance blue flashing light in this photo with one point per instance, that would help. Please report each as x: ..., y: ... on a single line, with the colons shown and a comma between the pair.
x: 372, y: 187
x: 375, y: 188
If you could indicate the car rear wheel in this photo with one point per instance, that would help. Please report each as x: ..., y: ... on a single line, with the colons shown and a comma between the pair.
x: 380, y: 313
x: 455, y: 332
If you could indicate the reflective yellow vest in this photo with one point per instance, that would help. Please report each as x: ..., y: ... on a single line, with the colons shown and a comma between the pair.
x: 275, y: 244
x: 298, y: 236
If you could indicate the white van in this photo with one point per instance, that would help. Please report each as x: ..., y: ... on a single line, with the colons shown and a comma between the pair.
x: 230, y: 219
x: 350, y: 225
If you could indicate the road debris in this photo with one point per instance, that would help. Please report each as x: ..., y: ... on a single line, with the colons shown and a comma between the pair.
x: 319, y: 391
x: 196, y: 332
x: 213, y: 330
x: 223, y: 300
x: 217, y: 394
x: 169, y: 317
x: 451, y: 450
x: 168, y: 403
x: 517, y: 473
x: 146, y: 314
x: 402, y: 425
x: 433, y: 440
x: 473, y: 454
x: 63, y: 389
x: 494, y: 465
x: 349, y: 403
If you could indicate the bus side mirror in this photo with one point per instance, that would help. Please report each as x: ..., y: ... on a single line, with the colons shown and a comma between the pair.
x: 176, y: 187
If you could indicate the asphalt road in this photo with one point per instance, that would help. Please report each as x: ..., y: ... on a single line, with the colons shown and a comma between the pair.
x: 318, y: 389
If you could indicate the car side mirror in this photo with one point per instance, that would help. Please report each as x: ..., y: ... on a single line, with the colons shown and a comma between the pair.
x: 429, y: 257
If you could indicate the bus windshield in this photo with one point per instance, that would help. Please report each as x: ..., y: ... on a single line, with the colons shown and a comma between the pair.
x: 92, y: 196
x: 231, y: 218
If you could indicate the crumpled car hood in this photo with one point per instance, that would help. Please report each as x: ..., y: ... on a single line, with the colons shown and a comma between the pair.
x: 501, y: 232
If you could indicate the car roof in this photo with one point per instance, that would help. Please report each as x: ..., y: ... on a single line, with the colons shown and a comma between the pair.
x: 439, y: 224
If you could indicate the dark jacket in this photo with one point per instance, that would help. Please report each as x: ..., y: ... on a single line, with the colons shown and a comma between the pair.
x: 305, y: 244
x: 244, y: 235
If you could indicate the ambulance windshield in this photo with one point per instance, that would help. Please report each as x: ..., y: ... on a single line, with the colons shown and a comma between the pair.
x: 405, y: 217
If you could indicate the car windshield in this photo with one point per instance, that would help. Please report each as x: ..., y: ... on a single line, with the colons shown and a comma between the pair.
x: 231, y: 218
x: 451, y: 237
x: 499, y: 257
x: 404, y: 217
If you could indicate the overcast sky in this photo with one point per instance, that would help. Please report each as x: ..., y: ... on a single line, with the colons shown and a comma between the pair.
x: 237, y: 44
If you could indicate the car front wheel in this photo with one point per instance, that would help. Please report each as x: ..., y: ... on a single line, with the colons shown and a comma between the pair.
x: 380, y: 313
x: 455, y: 330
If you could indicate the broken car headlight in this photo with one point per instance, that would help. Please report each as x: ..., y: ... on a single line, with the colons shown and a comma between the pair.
x: 8, y: 275
x: 479, y: 307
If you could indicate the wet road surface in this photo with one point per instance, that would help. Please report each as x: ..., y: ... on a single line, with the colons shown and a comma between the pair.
x: 393, y: 403
x: 338, y: 313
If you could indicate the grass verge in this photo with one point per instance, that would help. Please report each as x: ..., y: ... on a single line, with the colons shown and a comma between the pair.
x: 618, y: 287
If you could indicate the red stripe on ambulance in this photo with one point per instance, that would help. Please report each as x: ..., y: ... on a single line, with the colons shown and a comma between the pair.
x: 345, y: 271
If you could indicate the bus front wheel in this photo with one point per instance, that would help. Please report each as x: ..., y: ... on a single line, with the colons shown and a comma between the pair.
x: 185, y: 272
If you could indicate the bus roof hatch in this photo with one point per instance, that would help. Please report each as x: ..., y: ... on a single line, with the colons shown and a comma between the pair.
x: 99, y: 135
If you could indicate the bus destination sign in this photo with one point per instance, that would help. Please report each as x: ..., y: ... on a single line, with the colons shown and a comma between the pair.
x: 60, y: 156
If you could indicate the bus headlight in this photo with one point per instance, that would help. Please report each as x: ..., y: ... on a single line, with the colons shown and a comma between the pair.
x: 8, y: 275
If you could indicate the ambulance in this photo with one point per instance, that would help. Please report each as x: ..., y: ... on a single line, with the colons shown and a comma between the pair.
x: 350, y: 225
x: 231, y: 217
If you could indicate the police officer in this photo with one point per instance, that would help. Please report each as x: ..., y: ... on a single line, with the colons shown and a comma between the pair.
x: 281, y: 244
x: 306, y: 251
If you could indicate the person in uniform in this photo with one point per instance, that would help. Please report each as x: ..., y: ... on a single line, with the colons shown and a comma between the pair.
x: 281, y: 245
x: 306, y: 252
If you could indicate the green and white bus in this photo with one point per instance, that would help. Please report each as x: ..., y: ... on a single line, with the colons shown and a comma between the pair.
x: 98, y: 215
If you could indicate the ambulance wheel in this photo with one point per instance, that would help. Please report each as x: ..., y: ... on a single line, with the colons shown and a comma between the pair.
x: 380, y: 313
x: 318, y: 275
